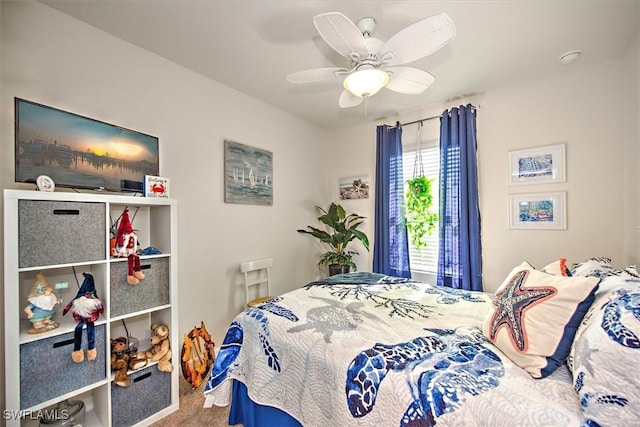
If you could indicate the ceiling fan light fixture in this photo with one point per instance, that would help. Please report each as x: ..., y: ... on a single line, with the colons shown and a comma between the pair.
x: 365, y: 83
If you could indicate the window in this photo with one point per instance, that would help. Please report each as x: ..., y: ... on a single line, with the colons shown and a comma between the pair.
x: 424, y: 259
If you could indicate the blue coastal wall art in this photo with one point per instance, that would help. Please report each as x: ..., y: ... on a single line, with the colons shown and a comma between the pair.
x: 537, y: 165
x: 248, y: 174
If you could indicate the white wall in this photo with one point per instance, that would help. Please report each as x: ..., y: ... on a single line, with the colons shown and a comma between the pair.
x: 591, y: 110
x: 353, y: 154
x: 50, y: 58
x: 581, y: 108
x: 631, y: 153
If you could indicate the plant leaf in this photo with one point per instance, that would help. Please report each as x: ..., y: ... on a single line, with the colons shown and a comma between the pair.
x: 420, y: 220
x: 341, y: 230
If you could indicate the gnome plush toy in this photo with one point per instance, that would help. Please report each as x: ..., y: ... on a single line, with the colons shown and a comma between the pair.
x: 127, y: 246
x: 86, y: 308
x: 41, y: 305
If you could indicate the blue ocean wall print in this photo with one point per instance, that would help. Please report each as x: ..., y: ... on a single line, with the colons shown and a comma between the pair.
x: 537, y: 165
x: 248, y: 174
x: 536, y: 211
x: 532, y: 166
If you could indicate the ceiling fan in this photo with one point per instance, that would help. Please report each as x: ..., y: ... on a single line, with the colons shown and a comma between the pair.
x: 374, y: 64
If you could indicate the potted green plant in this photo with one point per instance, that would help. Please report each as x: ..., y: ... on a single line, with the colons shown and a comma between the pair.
x: 419, y: 218
x: 342, y: 229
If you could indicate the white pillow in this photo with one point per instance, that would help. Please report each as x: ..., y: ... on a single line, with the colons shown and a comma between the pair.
x: 535, y: 316
x: 596, y: 266
x: 601, y: 267
x: 557, y: 268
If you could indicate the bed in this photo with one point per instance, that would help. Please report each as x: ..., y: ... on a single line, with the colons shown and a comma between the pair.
x: 552, y: 347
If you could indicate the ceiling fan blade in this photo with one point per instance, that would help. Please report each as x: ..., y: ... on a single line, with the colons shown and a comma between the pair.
x: 315, y: 75
x: 408, y: 80
x: 341, y: 34
x: 419, y: 40
x: 348, y: 100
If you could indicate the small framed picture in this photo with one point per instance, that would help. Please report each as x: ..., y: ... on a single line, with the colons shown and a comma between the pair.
x: 156, y: 186
x: 538, y: 211
x: 537, y: 165
x: 354, y: 187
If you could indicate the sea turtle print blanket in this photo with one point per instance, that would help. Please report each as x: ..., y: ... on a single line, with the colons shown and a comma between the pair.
x: 366, y: 349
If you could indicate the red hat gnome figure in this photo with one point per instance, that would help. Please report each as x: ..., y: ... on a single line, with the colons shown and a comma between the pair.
x: 127, y: 246
x: 86, y: 309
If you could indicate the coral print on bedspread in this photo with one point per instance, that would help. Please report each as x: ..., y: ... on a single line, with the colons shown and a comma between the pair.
x: 365, y: 349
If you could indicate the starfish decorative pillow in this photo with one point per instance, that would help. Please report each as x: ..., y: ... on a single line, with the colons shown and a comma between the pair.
x: 535, y: 316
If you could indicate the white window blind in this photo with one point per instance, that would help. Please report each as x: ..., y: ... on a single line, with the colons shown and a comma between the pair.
x: 424, y: 259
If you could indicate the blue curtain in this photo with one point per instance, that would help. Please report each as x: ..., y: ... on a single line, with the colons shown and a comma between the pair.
x: 391, y: 245
x: 460, y: 256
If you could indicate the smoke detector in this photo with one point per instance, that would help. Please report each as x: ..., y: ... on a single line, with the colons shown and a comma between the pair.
x: 569, y: 57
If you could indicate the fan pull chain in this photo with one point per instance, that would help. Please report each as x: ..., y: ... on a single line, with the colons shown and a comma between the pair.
x: 418, y: 169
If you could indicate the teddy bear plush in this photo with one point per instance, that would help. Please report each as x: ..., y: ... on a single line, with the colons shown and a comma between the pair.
x: 160, y: 350
x: 120, y: 363
x: 137, y: 360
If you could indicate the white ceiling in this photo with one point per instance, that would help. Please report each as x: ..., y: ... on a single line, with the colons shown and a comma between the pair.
x: 252, y: 45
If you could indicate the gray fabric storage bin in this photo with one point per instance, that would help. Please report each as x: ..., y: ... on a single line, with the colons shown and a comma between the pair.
x: 149, y: 392
x: 47, y: 371
x: 152, y: 291
x: 61, y: 232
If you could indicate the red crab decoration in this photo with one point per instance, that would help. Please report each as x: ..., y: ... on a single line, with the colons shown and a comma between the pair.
x: 158, y: 188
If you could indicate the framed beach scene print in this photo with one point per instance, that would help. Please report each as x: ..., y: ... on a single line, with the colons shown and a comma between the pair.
x: 79, y: 152
x: 248, y: 174
x: 537, y: 165
x: 538, y: 211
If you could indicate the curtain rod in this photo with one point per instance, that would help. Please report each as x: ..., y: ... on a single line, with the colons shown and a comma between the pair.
x: 426, y: 119
x: 416, y: 121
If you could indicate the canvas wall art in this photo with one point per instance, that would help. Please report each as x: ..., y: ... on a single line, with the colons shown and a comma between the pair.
x: 79, y: 152
x: 248, y: 174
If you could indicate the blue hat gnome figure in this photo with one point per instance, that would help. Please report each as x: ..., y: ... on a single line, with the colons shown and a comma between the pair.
x: 86, y: 308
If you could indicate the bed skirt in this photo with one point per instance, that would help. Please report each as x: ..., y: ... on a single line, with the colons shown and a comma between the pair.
x: 248, y: 413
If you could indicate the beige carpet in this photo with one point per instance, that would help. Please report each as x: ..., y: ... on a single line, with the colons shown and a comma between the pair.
x: 191, y: 412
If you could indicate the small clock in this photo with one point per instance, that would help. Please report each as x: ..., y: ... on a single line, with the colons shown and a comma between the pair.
x: 45, y: 183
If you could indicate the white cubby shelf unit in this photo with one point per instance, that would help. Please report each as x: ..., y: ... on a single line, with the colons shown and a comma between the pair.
x: 65, y: 234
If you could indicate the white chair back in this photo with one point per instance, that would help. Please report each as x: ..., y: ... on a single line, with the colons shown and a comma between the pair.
x: 257, y: 274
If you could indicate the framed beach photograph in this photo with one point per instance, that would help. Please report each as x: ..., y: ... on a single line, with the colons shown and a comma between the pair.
x: 248, y: 174
x: 537, y: 165
x: 79, y: 152
x: 354, y: 187
x: 538, y: 211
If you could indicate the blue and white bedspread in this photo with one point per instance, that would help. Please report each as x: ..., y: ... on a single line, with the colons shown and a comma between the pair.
x: 372, y: 350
